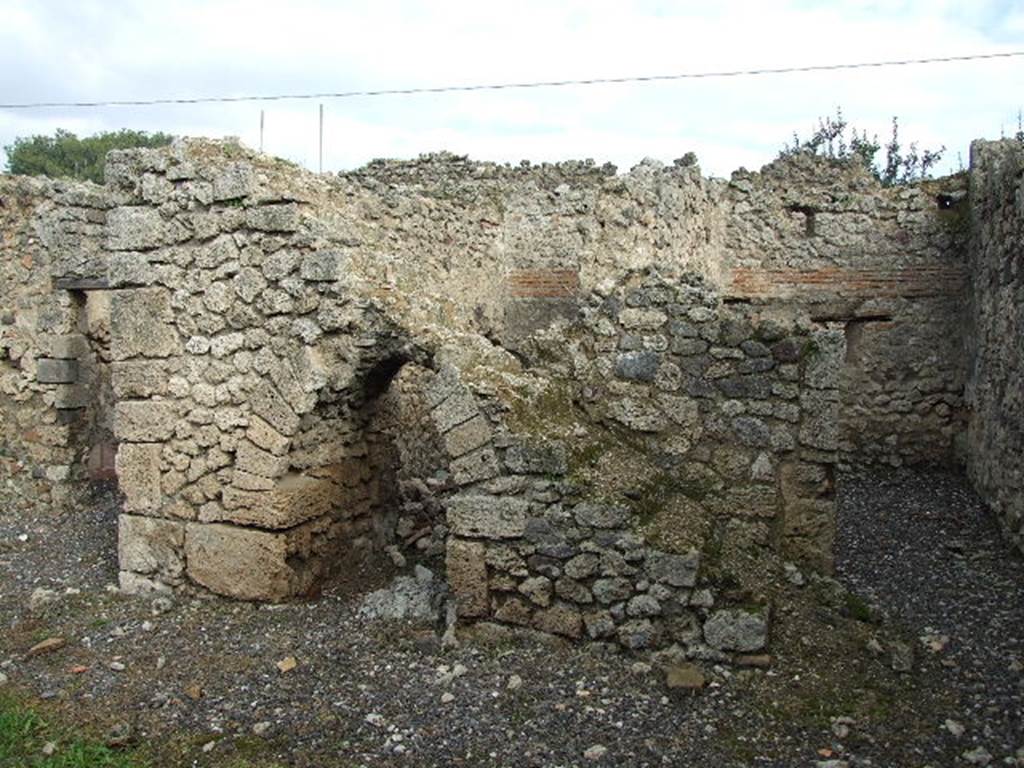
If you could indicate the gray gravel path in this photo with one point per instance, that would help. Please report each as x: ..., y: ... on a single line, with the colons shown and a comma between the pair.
x: 197, y: 679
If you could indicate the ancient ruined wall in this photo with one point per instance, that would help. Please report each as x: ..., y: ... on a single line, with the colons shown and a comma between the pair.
x: 56, y: 400
x: 615, y: 403
x: 889, y: 265
x: 996, y: 336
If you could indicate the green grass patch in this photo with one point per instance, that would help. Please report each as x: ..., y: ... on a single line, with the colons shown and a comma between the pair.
x: 24, y: 733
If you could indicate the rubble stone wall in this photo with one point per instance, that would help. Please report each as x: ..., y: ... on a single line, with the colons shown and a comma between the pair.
x: 615, y: 403
x: 890, y: 265
x: 996, y: 349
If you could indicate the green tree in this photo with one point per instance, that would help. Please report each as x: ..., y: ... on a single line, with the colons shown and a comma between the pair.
x: 64, y: 154
x: 830, y: 139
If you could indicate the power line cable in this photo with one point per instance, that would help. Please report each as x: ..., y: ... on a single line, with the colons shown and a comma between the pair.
x: 510, y: 86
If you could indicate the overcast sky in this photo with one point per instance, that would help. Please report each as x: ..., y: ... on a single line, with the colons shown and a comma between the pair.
x: 109, y: 49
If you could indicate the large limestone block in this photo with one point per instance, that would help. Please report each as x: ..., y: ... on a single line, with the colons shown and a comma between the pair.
x: 139, y: 378
x: 466, y: 570
x: 246, y: 563
x: 490, y: 517
x: 145, y: 421
x: 133, y: 228
x: 140, y: 324
x: 292, y: 500
x: 268, y: 404
x: 138, y: 475
x: 151, y: 547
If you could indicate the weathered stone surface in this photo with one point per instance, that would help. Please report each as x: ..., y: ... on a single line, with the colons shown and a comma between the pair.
x: 249, y: 458
x: 474, y: 467
x: 151, y: 546
x: 674, y: 570
x: 138, y: 378
x: 279, y: 217
x: 736, y: 630
x: 50, y: 371
x: 612, y: 590
x: 324, y: 266
x: 134, y: 228
x: 245, y: 563
x: 637, y: 366
x: 268, y: 404
x: 454, y: 410
x: 559, y: 619
x: 138, y: 476
x: 145, y: 421
x: 140, y: 324
x: 601, y: 515
x: 536, y: 458
x: 466, y: 570
x: 478, y: 515
x: 467, y: 437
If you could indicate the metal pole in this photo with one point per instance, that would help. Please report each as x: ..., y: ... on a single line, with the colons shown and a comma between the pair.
x: 321, y: 138
x: 261, y: 130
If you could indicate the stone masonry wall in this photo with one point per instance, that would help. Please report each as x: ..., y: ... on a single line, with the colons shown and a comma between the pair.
x: 996, y: 348
x: 54, y: 379
x: 614, y: 403
x: 890, y: 265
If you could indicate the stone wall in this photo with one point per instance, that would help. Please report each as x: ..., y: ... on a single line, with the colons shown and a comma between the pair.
x: 54, y: 377
x: 614, y: 403
x: 890, y: 266
x: 996, y: 349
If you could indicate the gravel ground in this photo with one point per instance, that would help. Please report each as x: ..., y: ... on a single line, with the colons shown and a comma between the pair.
x: 196, y: 681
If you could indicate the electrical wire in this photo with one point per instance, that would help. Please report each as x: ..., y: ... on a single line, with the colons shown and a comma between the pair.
x: 510, y: 86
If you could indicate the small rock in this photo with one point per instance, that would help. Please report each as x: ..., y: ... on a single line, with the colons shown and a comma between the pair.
x: 447, y: 698
x: 640, y: 668
x: 161, y: 662
x: 459, y: 670
x: 40, y: 598
x: 793, y: 575
x: 117, y: 666
x: 147, y: 626
x: 978, y: 756
x: 397, y: 558
x: 515, y: 682
x: 902, y: 659
x: 287, y: 664
x: 208, y: 746
x: 261, y: 728
x: 119, y: 735
x: 934, y: 643
x: 684, y: 677
x: 49, y: 748
x: 3, y: 679
x: 49, y: 645
x: 874, y: 647
x: 955, y: 728
x: 841, y: 726
x: 194, y: 691
x: 374, y: 719
x: 595, y: 752
x: 161, y: 605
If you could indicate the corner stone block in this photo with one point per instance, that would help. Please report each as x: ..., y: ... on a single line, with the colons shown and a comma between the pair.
x: 69, y: 346
x: 249, y: 458
x: 145, y: 421
x: 151, y: 547
x: 241, y: 562
x: 138, y: 475
x: 51, y: 371
x: 134, y: 228
x: 467, y: 437
x: 139, y: 378
x: 489, y: 517
x: 467, y: 577
x: 268, y: 404
x: 140, y: 324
